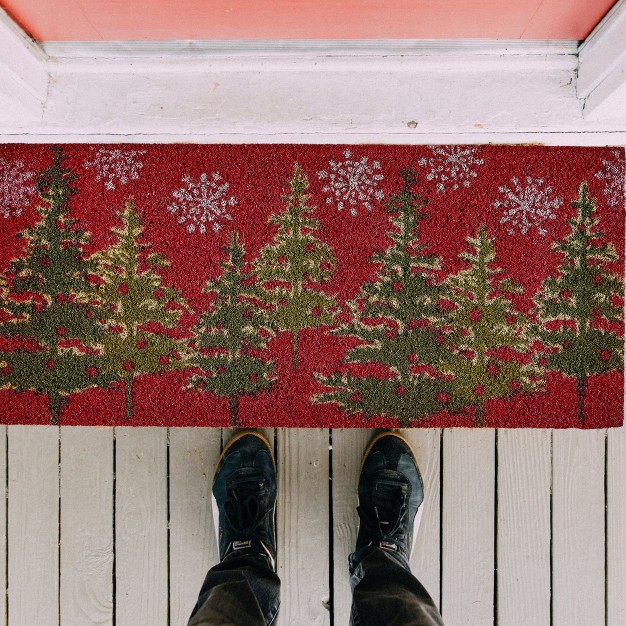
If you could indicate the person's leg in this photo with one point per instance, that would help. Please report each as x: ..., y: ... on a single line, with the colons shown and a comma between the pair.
x: 243, y: 589
x: 391, y: 492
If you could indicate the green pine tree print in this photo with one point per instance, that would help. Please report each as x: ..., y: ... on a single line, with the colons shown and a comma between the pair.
x: 576, y: 304
x: 7, y: 308
x: 396, y: 317
x: 232, y: 335
x: 292, y: 269
x: 133, y: 299
x: 483, y: 321
x: 49, y: 315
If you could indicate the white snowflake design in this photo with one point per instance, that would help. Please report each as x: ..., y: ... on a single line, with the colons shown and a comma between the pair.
x: 613, y: 173
x: 351, y: 182
x: 527, y: 205
x: 203, y: 203
x: 113, y: 164
x: 16, y: 190
x: 451, y: 166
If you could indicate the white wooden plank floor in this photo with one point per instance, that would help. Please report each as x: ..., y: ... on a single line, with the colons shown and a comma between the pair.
x: 113, y: 526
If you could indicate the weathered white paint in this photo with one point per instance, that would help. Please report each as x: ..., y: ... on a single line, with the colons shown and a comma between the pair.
x: 141, y: 551
x: 426, y: 555
x: 523, y: 526
x: 608, y: 100
x: 300, y: 93
x: 312, y: 92
x: 302, y: 525
x: 23, y: 76
x: 348, y: 448
x: 33, y: 526
x: 616, y: 523
x: 469, y: 540
x: 578, y: 541
x: 193, y: 546
x: 602, y: 67
x: 3, y: 519
x: 86, y: 487
x: 310, y: 48
x: 468, y: 547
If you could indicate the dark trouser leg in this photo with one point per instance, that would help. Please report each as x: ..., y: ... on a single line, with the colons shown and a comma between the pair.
x: 385, y: 593
x: 240, y: 591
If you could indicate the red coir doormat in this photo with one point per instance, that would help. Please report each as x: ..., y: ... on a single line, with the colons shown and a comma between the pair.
x: 331, y: 285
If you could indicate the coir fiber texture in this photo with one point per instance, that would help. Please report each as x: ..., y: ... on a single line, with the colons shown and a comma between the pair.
x: 318, y: 286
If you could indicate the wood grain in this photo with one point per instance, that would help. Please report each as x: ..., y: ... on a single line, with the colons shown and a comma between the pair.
x: 468, y: 498
x: 86, y: 585
x: 141, y: 555
x: 193, y: 545
x: 33, y: 526
x: 616, y: 527
x: 523, y: 548
x: 578, y: 570
x: 468, y: 554
x: 303, y: 526
x: 348, y: 448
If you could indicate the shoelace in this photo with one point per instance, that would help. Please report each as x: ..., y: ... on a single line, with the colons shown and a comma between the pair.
x: 385, y: 519
x: 244, y: 510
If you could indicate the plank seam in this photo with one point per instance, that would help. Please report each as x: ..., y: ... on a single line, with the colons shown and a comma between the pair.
x: 331, y: 534
x: 6, y: 525
x: 441, y: 437
x: 274, y: 441
x: 59, y: 525
x: 167, y: 506
x: 495, y: 531
x: 551, y: 527
x: 606, y: 528
x: 113, y: 567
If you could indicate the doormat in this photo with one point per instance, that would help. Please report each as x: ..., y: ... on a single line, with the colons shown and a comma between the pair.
x: 311, y: 285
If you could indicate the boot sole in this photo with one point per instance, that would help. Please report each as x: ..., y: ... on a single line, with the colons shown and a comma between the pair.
x: 238, y: 436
